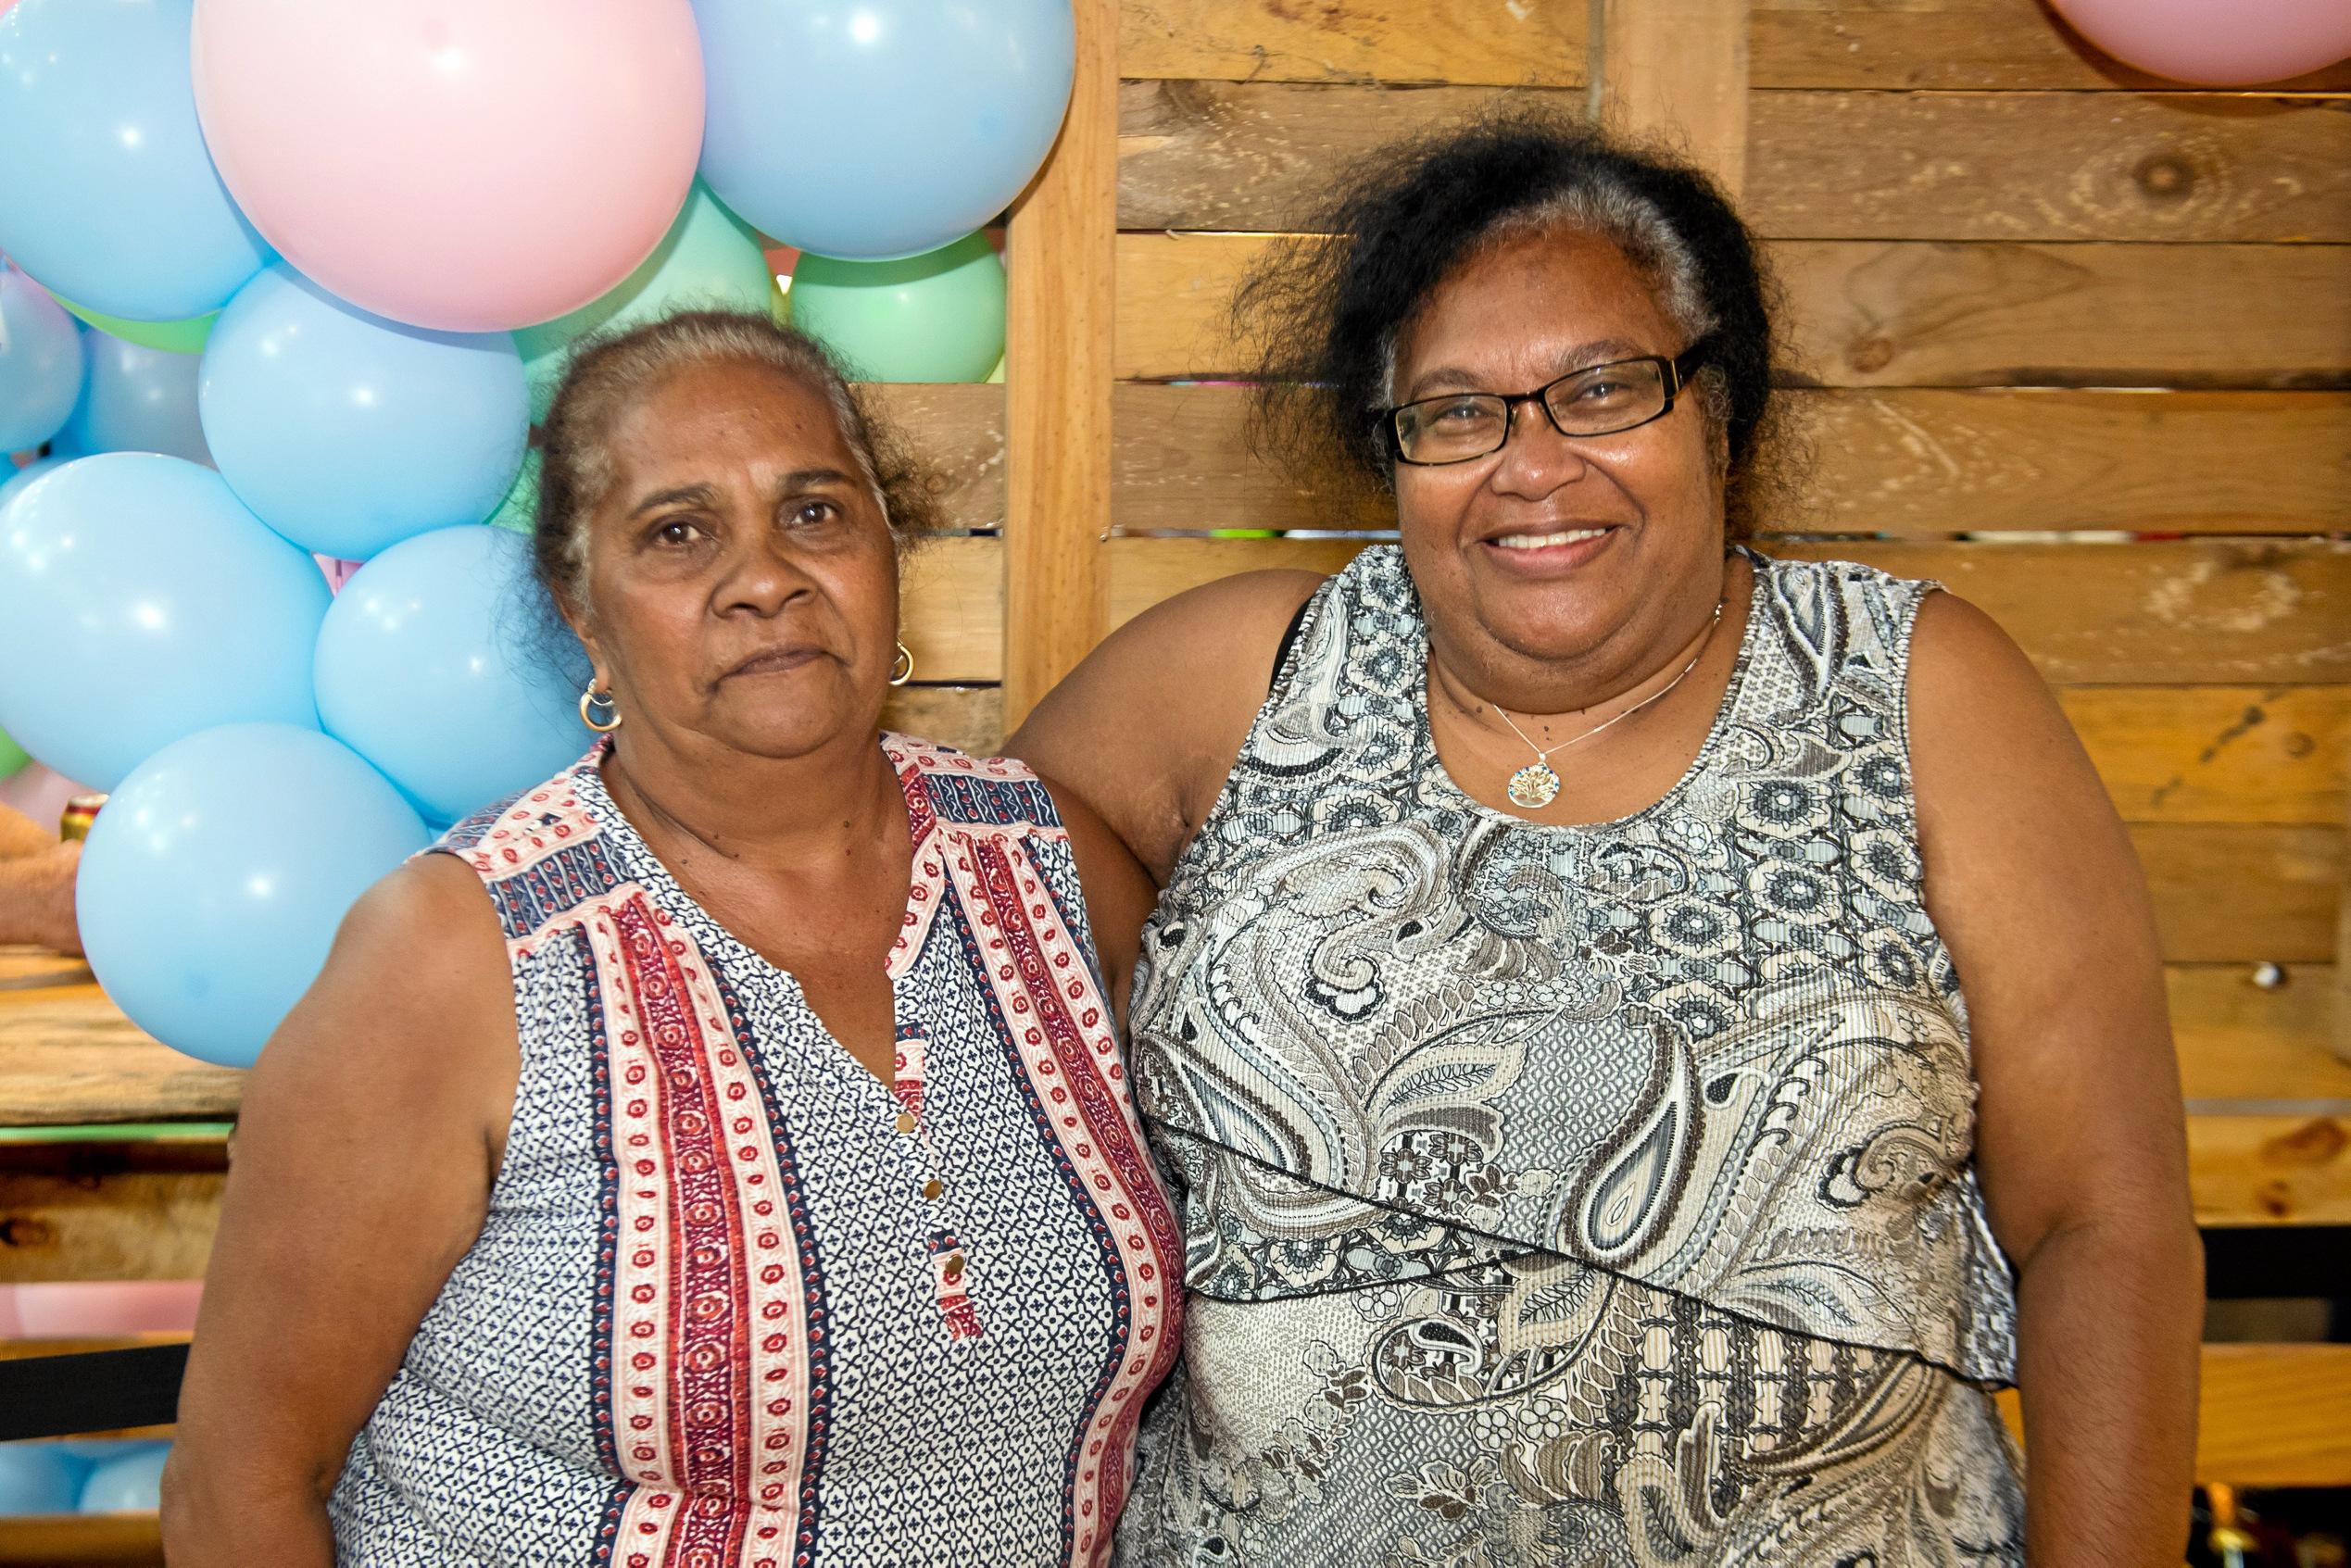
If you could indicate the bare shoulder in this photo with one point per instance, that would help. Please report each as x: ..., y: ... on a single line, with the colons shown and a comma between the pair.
x: 1228, y: 628
x: 430, y: 917
x: 413, y: 1008
x: 1145, y: 729
x: 1976, y: 699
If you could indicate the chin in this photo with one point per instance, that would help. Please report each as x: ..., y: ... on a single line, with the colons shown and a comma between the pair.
x: 780, y: 731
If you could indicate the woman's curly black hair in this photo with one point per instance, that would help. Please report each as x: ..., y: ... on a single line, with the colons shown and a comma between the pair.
x: 1323, y: 317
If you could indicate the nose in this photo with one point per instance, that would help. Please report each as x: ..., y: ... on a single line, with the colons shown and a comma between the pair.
x: 1536, y: 460
x: 762, y: 576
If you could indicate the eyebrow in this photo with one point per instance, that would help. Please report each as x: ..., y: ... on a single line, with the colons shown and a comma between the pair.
x: 793, y: 484
x: 698, y: 494
x: 1583, y: 356
x: 812, y: 479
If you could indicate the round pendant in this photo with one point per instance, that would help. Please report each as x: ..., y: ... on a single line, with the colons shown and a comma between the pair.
x: 1534, y: 786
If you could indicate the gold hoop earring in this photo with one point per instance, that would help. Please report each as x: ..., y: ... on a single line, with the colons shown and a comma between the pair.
x: 903, y: 670
x: 591, y: 698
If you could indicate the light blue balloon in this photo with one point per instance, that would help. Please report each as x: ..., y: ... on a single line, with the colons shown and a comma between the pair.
x: 438, y: 665
x: 22, y: 479
x: 110, y: 197
x: 139, y: 603
x: 98, y: 1450
x: 131, y: 1484
x: 136, y: 399
x: 40, y: 362
x: 908, y: 122
x: 347, y: 433
x: 38, y: 1479
x: 212, y: 883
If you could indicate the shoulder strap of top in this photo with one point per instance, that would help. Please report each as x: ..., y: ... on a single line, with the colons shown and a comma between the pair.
x: 960, y: 790
x: 540, y: 853
x: 1840, y: 623
x: 1290, y: 639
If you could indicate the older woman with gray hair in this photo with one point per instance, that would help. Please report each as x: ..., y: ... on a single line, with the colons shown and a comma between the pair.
x: 717, y: 1155
x: 1648, y: 1035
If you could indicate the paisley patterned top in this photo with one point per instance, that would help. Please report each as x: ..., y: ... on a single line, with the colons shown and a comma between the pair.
x: 739, y: 1304
x: 1573, y: 1194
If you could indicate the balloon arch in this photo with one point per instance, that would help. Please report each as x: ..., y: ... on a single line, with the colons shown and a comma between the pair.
x: 286, y: 287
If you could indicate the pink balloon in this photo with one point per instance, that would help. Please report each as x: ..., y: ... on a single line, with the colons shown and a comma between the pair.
x: 465, y: 164
x: 103, y: 1310
x: 2236, y: 44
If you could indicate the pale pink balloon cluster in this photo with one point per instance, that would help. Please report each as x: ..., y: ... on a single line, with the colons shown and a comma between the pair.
x: 455, y: 164
x: 2217, y: 42
x: 99, y: 1309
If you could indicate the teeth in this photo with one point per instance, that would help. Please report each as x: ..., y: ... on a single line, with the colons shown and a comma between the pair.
x: 1544, y: 541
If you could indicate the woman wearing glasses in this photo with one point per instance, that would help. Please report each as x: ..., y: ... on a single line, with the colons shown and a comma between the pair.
x: 1554, y: 1019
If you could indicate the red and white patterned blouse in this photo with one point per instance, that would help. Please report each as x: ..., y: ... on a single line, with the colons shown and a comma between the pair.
x: 736, y: 1301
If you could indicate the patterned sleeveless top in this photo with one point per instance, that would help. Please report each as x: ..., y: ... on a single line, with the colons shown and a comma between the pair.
x: 1572, y: 1195
x: 739, y: 1304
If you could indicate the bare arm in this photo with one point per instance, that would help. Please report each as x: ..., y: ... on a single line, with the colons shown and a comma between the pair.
x: 2081, y: 1149
x: 36, y: 897
x: 371, y: 1130
x: 20, y: 835
x: 1145, y: 731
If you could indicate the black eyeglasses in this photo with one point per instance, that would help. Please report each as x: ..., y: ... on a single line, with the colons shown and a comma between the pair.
x: 1597, y: 400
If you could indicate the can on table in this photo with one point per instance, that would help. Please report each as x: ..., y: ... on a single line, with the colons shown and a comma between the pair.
x: 73, y: 823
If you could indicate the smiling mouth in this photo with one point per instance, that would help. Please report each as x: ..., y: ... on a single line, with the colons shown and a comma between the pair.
x: 1548, y: 540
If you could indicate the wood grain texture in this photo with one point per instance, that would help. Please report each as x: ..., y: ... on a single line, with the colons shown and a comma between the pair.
x: 2275, y: 1415
x: 1920, y: 461
x: 2217, y: 754
x: 1942, y: 44
x: 1061, y: 305
x: 1901, y: 313
x: 2239, y: 1040
x: 2049, y: 167
x: 68, y: 1056
x: 958, y: 432
x: 1504, y: 43
x: 1262, y: 156
x: 2251, y: 894
x: 951, y: 610
x: 2187, y: 612
x: 2268, y: 1416
x: 2270, y: 1170
x: 1877, y: 313
x: 1945, y: 44
x: 138, y: 1224
x: 82, y: 1540
x: 970, y: 718
x: 1175, y: 291
x: 1903, y: 462
x: 2044, y: 167
x: 1675, y: 71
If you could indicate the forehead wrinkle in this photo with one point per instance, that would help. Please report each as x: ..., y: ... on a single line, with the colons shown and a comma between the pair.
x: 1566, y: 362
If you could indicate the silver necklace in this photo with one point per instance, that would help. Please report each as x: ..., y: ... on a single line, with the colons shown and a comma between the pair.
x: 1536, y: 785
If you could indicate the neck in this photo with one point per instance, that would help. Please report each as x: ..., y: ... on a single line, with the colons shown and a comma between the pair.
x: 1553, y: 699
x: 773, y: 814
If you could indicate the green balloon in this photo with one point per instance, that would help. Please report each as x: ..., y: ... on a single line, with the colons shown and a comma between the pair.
x: 710, y: 259
x: 937, y: 317
x: 14, y: 758
x: 519, y: 511
x: 184, y: 336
